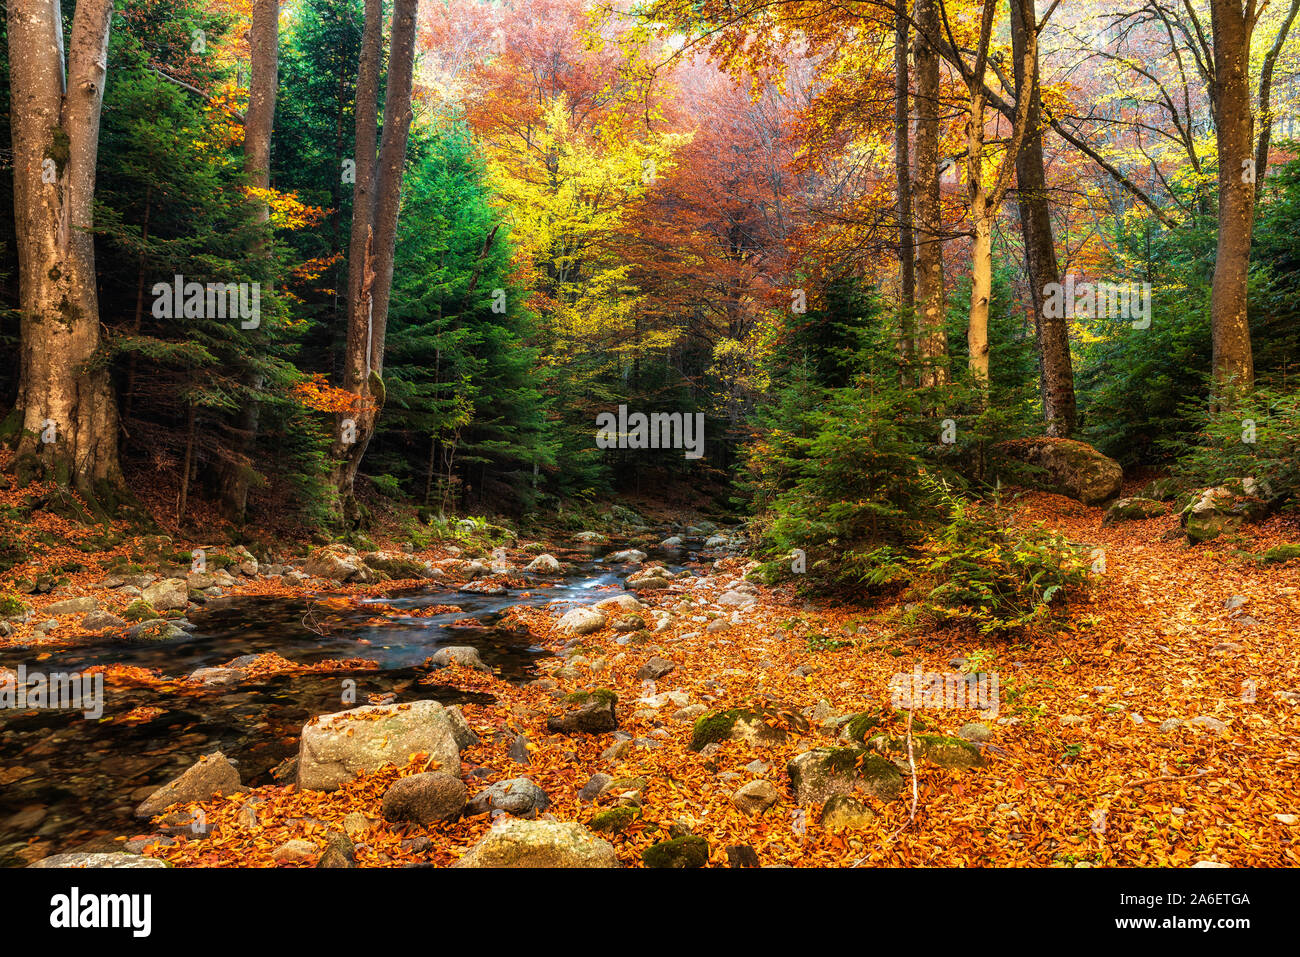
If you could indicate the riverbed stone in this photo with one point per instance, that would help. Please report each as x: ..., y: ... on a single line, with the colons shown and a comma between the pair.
x: 170, y: 594
x: 514, y: 842
x: 425, y: 798
x: 464, y: 656
x: 335, y: 748
x: 580, y: 621
x: 544, y: 564
x: 517, y: 796
x: 72, y: 606
x: 209, y: 776
x: 587, y: 712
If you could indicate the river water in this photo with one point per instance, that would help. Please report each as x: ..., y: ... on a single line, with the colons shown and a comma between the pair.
x: 69, y: 782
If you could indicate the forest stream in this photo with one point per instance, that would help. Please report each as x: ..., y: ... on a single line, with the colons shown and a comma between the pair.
x: 84, y: 777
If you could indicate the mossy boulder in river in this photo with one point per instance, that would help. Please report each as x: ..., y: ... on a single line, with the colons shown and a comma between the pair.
x: 822, y: 772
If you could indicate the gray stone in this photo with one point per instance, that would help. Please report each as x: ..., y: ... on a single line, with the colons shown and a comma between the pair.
x: 335, y: 748
x: 517, y: 796
x: 533, y: 844
x: 425, y: 798
x: 464, y: 656
x: 209, y: 776
x: 755, y: 797
x: 80, y: 859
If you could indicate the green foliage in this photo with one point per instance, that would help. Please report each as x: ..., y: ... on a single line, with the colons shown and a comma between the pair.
x: 1254, y: 435
x: 980, y: 570
x: 464, y: 414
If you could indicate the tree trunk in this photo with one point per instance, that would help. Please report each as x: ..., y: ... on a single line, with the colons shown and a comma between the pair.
x: 1266, y: 96
x: 376, y: 205
x: 981, y: 217
x: 903, y: 171
x: 1232, y: 26
x: 68, y: 412
x: 1056, y: 370
x: 264, y: 48
x: 932, y: 342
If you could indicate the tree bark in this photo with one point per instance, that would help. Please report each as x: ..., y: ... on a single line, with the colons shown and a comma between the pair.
x: 1233, y: 363
x: 376, y: 204
x: 68, y: 412
x: 264, y: 49
x: 903, y: 171
x: 1266, y: 96
x: 1056, y: 370
x: 932, y: 341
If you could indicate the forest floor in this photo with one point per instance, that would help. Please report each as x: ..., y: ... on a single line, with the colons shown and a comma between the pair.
x: 1160, y: 726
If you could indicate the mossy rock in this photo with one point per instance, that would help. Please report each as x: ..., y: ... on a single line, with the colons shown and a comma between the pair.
x: 602, y: 695
x: 1133, y: 509
x: 736, y: 724
x: 822, y: 772
x: 398, y: 568
x: 860, y: 727
x: 615, y: 820
x: 932, y: 748
x: 1280, y: 553
x: 680, y: 852
x: 139, y: 610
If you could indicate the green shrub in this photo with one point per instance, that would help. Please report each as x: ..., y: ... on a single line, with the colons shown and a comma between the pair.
x: 1256, y: 435
x: 982, y: 571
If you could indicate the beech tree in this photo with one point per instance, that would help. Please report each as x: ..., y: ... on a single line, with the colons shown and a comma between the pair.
x: 1232, y: 24
x: 65, y: 409
x: 376, y: 203
x: 932, y: 341
x: 264, y: 48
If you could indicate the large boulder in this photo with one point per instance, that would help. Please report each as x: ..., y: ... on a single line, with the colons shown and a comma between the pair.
x: 1067, y: 468
x: 209, y: 776
x: 170, y: 594
x: 580, y: 621
x: 822, y: 772
x: 396, y: 566
x: 335, y: 748
x: 521, y: 843
x: 334, y: 564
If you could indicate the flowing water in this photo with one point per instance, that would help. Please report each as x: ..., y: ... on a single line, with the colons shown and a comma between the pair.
x: 67, y: 781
